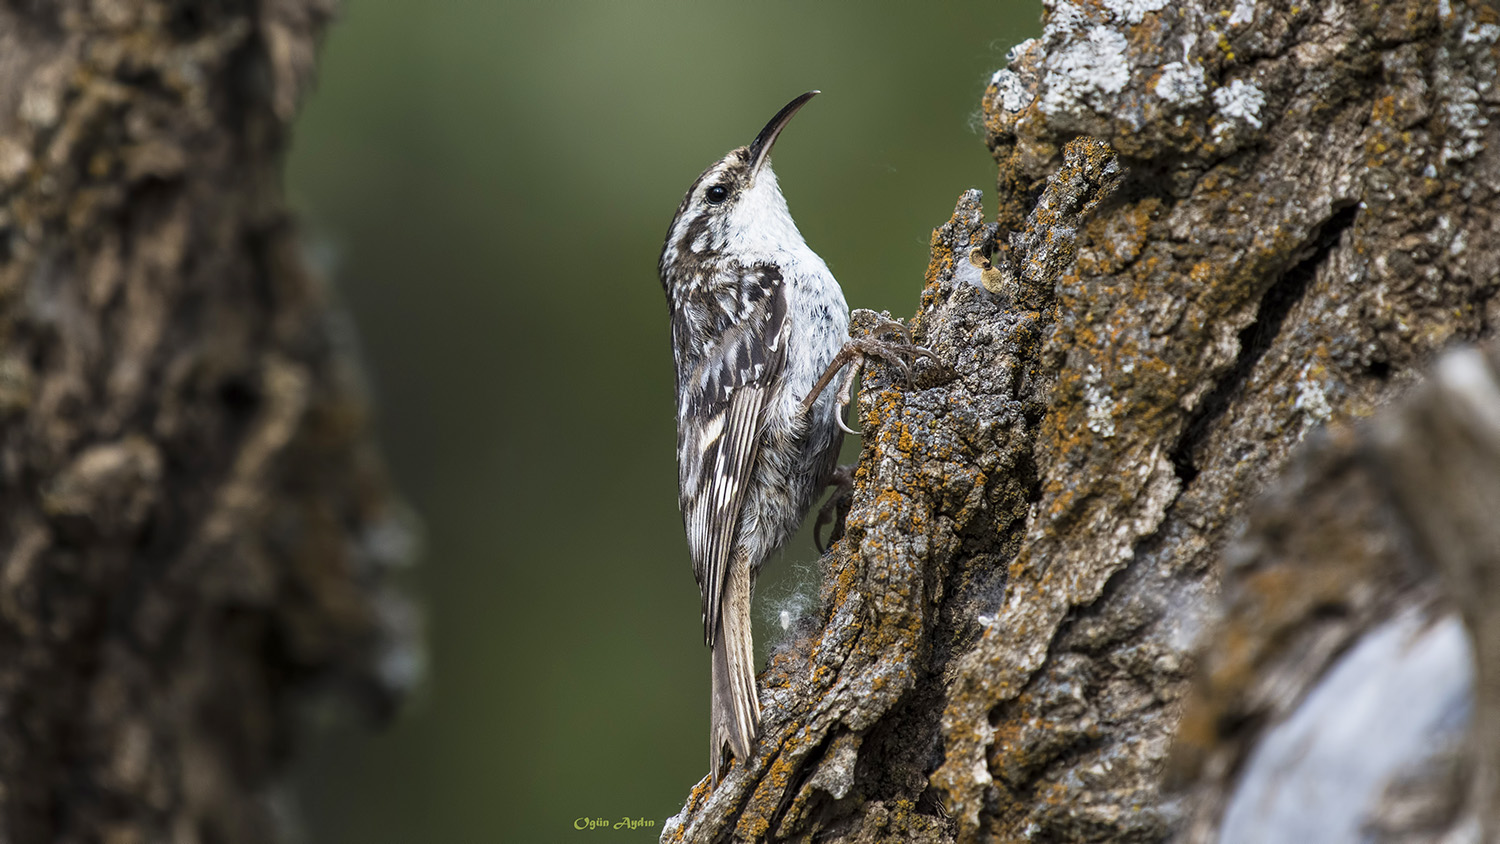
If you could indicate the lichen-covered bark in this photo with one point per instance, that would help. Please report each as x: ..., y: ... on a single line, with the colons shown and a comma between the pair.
x: 196, y: 526
x: 1305, y: 216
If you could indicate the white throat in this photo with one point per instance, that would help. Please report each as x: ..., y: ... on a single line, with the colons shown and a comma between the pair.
x: 760, y: 223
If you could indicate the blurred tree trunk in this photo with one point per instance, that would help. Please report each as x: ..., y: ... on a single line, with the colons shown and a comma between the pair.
x: 1224, y: 227
x: 195, y: 524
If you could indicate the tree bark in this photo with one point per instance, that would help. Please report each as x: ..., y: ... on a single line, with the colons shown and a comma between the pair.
x: 1223, y: 229
x: 197, y: 529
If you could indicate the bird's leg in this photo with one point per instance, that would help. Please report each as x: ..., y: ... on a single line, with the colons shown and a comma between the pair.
x: 842, y: 482
x: 856, y: 352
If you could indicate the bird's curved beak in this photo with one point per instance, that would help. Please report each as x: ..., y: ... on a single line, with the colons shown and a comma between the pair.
x: 760, y: 148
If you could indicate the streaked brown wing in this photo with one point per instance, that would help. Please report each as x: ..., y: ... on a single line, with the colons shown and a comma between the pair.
x: 719, y: 428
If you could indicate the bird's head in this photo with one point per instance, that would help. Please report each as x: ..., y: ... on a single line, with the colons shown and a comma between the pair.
x: 736, y: 205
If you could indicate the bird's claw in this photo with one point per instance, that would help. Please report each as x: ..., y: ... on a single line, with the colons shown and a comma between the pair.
x: 887, y: 327
x: 900, y: 354
x: 894, y: 354
x: 846, y: 395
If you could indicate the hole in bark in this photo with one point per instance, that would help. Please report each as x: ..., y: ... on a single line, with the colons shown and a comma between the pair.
x: 930, y: 803
x: 239, y: 397
x: 186, y: 20
x: 1258, y: 336
x: 1182, y: 464
x: 1380, y: 369
x: 1233, y: 723
x: 1331, y: 610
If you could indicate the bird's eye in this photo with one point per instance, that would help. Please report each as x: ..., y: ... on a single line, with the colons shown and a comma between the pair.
x: 717, y: 194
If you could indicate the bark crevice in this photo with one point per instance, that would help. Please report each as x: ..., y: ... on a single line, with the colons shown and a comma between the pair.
x: 1257, y: 338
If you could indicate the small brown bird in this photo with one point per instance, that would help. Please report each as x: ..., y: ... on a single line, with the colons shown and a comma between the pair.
x: 759, y: 331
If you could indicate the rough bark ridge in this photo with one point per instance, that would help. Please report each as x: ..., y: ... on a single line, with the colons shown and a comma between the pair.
x: 1304, y: 217
x: 196, y: 524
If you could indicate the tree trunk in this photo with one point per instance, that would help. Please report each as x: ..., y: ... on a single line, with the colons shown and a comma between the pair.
x: 1223, y: 228
x: 196, y: 526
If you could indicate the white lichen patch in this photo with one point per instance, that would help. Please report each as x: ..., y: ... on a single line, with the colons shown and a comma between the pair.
x: 1240, y: 100
x: 1181, y: 84
x: 1465, y: 125
x: 1312, y: 397
x: 14, y: 159
x: 1133, y: 11
x: 1460, y: 86
x: 1099, y: 406
x: 1086, y: 71
x: 1063, y: 20
x: 1484, y: 33
x: 39, y: 106
x: 982, y: 773
x: 1459, y: 243
x: 1244, y: 12
x: 1011, y: 91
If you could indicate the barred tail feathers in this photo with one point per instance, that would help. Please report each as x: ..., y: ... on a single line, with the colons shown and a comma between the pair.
x: 735, y: 705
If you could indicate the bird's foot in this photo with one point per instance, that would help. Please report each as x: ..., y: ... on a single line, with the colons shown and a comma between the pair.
x: 899, y: 352
x: 835, y: 507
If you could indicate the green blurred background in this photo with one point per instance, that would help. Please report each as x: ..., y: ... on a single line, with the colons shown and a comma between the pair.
x: 490, y: 183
